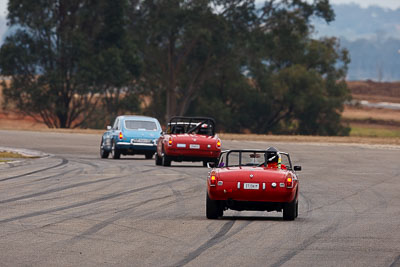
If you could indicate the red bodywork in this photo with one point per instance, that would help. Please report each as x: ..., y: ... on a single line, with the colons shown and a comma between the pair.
x: 189, y: 147
x: 229, y: 184
x: 188, y: 139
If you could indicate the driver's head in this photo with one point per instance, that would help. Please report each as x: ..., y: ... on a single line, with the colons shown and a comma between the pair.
x: 272, y: 154
x: 203, y: 129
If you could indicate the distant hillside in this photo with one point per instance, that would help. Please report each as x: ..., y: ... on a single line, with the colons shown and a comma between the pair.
x: 353, y: 22
x: 372, y: 36
x: 377, y: 60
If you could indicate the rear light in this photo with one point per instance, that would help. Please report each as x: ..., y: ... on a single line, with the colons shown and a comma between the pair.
x: 120, y: 135
x: 289, y: 182
x: 219, y: 144
x: 170, y: 141
x: 213, y: 180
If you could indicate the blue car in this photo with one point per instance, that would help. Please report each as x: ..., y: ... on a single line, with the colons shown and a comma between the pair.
x: 131, y: 135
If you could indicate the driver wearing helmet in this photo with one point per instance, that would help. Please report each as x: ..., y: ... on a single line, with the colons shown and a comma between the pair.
x: 204, y: 129
x: 273, y: 159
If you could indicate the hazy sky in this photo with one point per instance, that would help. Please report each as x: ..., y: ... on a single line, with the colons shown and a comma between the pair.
x: 3, y: 7
x: 394, y: 4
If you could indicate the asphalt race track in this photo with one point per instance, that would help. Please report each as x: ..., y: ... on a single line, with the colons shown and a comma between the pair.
x: 71, y: 208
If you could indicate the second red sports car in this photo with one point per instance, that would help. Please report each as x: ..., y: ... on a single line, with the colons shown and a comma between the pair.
x: 188, y: 139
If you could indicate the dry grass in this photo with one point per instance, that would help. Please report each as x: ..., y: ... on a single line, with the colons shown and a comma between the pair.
x: 372, y: 130
x: 372, y: 118
x: 12, y: 121
x: 370, y: 126
x: 375, y: 91
x: 11, y: 155
x: 6, y: 156
x: 376, y: 98
x: 371, y: 113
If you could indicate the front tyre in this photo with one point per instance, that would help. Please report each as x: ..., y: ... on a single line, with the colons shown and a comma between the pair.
x: 103, y: 153
x: 289, y: 211
x: 213, y: 208
x: 115, y: 153
x: 158, y: 159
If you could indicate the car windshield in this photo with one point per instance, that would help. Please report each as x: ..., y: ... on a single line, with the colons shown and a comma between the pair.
x: 249, y: 158
x: 140, y: 125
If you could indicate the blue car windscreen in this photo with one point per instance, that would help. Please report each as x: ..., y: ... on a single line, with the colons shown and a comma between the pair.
x: 140, y: 125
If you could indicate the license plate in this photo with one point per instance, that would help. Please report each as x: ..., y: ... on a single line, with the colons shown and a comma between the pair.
x: 142, y: 141
x: 251, y: 186
x: 194, y: 146
x: 180, y: 145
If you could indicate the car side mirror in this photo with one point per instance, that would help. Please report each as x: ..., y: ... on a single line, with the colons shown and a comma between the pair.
x: 211, y: 165
x: 297, y: 168
x: 108, y: 127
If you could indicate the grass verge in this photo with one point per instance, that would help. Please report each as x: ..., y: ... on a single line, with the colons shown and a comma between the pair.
x: 365, y: 131
x: 11, y: 155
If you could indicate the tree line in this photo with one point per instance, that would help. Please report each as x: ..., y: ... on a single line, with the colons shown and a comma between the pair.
x: 252, y: 66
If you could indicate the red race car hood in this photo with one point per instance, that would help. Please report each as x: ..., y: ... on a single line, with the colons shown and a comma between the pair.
x: 250, y: 174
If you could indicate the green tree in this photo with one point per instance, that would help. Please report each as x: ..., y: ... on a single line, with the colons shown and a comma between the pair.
x: 293, y: 84
x: 56, y: 56
x: 115, y: 64
x: 302, y: 79
x: 253, y: 68
x: 183, y: 43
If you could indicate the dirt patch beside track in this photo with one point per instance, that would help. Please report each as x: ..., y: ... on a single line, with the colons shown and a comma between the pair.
x: 375, y: 91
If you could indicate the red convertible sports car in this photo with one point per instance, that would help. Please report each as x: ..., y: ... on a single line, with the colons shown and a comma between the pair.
x: 188, y: 139
x: 262, y: 180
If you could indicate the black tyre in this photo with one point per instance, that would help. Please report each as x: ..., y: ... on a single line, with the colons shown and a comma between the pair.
x: 297, y: 208
x: 158, y: 159
x: 289, y: 211
x: 166, y: 161
x: 115, y: 153
x: 103, y: 154
x: 149, y: 155
x: 213, y: 208
x: 205, y: 163
x: 215, y: 162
